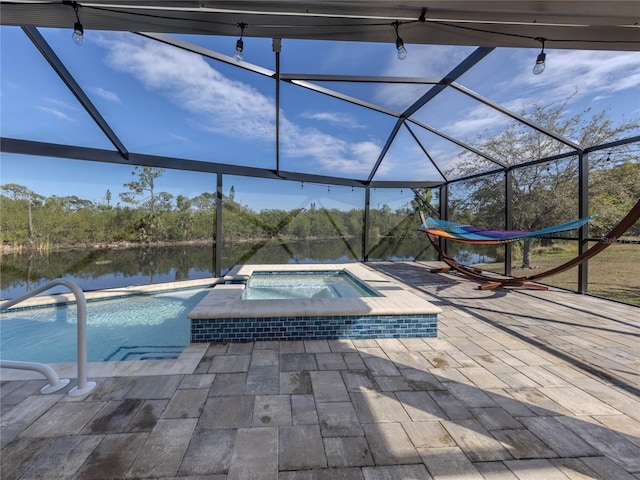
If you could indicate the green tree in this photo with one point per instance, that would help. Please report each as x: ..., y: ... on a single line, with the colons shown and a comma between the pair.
x: 142, y: 193
x: 543, y: 194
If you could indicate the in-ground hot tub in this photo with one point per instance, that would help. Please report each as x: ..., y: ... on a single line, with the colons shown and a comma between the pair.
x: 380, y: 309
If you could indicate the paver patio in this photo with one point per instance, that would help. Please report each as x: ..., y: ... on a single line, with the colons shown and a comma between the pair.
x: 519, y: 384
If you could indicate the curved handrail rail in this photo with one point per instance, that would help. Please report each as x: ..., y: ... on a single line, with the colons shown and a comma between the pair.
x: 84, y: 386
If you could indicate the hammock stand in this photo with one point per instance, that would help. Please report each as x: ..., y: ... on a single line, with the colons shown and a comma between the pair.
x: 491, y: 282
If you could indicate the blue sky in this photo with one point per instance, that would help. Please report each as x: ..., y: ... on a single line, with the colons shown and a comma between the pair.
x: 165, y: 101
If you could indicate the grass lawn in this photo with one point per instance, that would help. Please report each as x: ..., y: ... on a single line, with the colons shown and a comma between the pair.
x: 614, y: 273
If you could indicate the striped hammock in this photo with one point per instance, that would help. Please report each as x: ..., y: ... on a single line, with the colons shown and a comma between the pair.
x: 484, y: 236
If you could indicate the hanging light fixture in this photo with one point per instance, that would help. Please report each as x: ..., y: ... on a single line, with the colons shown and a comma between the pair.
x: 240, y: 44
x: 538, y: 68
x: 402, y: 51
x: 78, y: 30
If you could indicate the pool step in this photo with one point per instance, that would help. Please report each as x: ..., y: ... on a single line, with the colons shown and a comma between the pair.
x: 145, y: 352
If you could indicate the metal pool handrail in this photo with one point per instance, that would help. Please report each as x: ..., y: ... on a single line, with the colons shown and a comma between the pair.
x: 84, y: 386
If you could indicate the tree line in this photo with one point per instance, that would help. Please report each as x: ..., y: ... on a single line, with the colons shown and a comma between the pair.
x: 32, y: 221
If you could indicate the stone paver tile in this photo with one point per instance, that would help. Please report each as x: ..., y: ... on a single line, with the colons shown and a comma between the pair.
x: 186, y: 404
x: 559, y: 438
x: 606, y: 441
x: 393, y: 384
x: 295, y: 383
x: 529, y: 357
x: 483, y: 378
x: 537, y: 402
x: 338, y: 419
x: 535, y: 469
x: 147, y: 416
x: 476, y: 441
x: 622, y: 424
x: 328, y: 387
x: 316, y: 346
x: 495, y: 418
x: 209, y: 452
x: 264, y: 358
x: 364, y: 343
x: 272, y: 410
x: 575, y: 468
x: 230, y: 364
x: 289, y: 346
x: 347, y: 452
x: 112, y: 457
x: 64, y: 419
x: 227, y: 412
x: 606, y: 468
x: 255, y: 454
x: 542, y: 376
x: 380, y: 366
x: 357, y: 380
x: 440, y: 359
x: 301, y: 448
x: 469, y: 395
x: 20, y: 454
x: 512, y: 406
x: 428, y: 435
x: 390, y: 444
x: 240, y: 348
x: 448, y: 463
x: 154, y: 387
x: 349, y: 473
x: 13, y: 393
x: 297, y: 362
x: 494, y: 471
x: 29, y: 409
x: 197, y: 381
x: 228, y: 384
x: 330, y: 361
x: 449, y: 375
x: 354, y: 361
x: 391, y: 345
x: 578, y: 401
x: 523, y: 444
x: 421, y: 380
x: 406, y: 359
x: 450, y: 405
x: 262, y: 381
x: 378, y: 407
x: 420, y: 406
x: 114, y: 416
x: 162, y: 453
x: 608, y: 394
x: 266, y: 345
x: 396, y: 472
x: 341, y: 346
x: 63, y: 459
x: 114, y: 388
x: 517, y: 380
x: 303, y: 410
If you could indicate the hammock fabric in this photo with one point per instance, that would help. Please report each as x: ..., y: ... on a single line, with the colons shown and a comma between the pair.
x: 484, y: 236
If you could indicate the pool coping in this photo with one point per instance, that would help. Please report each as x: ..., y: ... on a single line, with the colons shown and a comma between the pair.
x: 59, y: 299
x: 225, y: 300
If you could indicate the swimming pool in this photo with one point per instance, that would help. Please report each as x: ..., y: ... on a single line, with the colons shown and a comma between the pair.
x: 138, y: 327
x: 304, y: 284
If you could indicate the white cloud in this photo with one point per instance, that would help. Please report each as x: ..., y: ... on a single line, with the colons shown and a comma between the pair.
x: 106, y: 94
x: 336, y: 118
x: 230, y: 107
x: 56, y: 113
x: 589, y: 73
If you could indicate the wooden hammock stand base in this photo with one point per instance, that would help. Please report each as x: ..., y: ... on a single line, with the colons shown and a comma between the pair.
x: 490, y: 283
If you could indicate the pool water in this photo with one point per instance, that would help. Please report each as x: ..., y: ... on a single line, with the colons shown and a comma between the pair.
x: 141, y: 327
x: 310, y: 284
